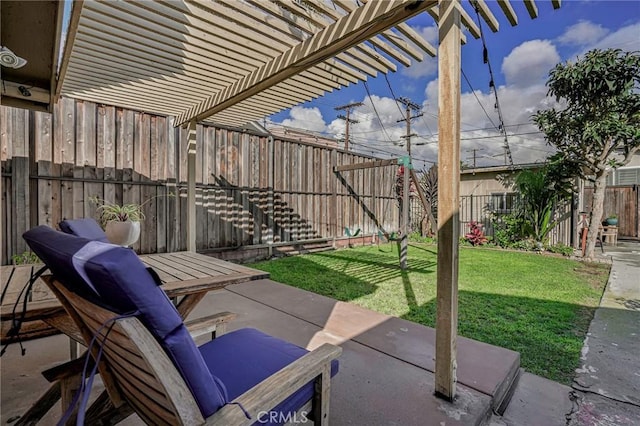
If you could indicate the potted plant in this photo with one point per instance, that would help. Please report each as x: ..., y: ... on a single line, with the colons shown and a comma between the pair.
x: 121, y: 223
x: 612, y: 220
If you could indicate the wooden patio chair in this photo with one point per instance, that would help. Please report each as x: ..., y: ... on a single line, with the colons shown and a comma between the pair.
x: 148, y: 381
x: 151, y: 365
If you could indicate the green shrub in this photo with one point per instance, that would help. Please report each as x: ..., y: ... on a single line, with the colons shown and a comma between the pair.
x: 560, y: 248
x: 415, y: 237
x: 507, y: 230
x: 25, y: 258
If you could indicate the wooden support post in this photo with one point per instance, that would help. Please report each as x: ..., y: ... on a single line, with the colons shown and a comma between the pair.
x: 448, y: 196
x: 191, y: 187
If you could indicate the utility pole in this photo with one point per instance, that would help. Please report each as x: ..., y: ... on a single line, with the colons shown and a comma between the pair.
x: 409, y: 106
x: 347, y: 120
x: 474, y: 150
x: 404, y: 243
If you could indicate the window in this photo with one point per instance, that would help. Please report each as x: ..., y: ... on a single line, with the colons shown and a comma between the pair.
x: 630, y: 176
x: 503, y: 202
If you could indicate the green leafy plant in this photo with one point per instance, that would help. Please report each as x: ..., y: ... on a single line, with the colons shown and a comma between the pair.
x: 25, y: 258
x: 415, y: 237
x: 562, y: 249
x: 507, y: 230
x: 612, y: 216
x: 110, y: 212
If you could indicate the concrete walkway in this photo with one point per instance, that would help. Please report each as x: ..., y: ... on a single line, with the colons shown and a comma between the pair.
x: 607, y: 385
x: 606, y: 389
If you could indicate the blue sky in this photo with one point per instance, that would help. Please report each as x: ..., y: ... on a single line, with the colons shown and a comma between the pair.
x: 520, y: 57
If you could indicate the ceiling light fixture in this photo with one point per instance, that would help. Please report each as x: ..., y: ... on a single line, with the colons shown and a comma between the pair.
x: 11, y: 60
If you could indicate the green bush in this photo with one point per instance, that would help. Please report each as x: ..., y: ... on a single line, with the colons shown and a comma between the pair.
x: 560, y: 248
x: 415, y: 237
x: 25, y: 258
x: 508, y: 230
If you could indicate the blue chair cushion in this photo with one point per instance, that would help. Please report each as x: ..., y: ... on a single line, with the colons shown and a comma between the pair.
x: 56, y: 250
x: 243, y: 358
x: 86, y: 228
x: 123, y: 284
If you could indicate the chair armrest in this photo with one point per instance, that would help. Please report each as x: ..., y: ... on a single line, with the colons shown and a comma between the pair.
x: 209, y: 324
x: 276, y: 388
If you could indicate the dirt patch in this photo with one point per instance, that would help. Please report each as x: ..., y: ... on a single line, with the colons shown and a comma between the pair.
x: 595, y: 274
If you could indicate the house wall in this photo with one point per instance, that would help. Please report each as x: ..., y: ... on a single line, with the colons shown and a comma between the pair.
x: 251, y: 190
x: 484, y: 183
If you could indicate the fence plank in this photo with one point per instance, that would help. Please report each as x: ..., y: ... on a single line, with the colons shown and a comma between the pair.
x: 20, y: 178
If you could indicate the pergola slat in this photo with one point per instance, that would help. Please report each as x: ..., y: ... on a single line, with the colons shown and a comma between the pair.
x: 508, y: 11
x: 487, y: 15
x: 341, y: 35
x: 531, y: 8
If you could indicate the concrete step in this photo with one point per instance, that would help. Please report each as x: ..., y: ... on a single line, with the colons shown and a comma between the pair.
x: 536, y: 401
x: 501, y: 402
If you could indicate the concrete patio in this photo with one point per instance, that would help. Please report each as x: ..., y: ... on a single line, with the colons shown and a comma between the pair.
x: 386, y: 370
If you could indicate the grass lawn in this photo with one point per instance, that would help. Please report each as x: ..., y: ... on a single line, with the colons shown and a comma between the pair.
x: 540, y: 306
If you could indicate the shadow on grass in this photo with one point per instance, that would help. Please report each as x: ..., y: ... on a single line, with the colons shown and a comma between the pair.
x: 549, y: 335
x: 344, y: 277
x: 313, y: 276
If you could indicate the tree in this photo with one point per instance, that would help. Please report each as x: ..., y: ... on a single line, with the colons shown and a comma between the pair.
x: 599, y: 127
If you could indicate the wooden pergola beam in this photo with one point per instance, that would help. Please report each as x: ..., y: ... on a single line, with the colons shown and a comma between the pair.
x: 343, y: 34
x: 74, y: 21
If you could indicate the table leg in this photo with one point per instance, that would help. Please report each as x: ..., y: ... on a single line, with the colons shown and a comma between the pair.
x: 189, y: 302
x: 41, y: 406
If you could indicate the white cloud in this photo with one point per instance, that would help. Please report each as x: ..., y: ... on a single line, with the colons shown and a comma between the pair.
x: 525, y: 69
x: 626, y: 38
x: 305, y: 118
x: 582, y: 34
x: 529, y: 63
x: 429, y: 66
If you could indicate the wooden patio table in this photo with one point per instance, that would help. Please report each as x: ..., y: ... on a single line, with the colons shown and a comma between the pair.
x: 187, y: 277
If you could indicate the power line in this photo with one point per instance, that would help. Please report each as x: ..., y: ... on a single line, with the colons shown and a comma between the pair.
x: 373, y: 105
x: 492, y: 85
x: 478, y: 99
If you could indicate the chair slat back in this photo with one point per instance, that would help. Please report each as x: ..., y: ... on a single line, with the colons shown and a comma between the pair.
x: 142, y: 372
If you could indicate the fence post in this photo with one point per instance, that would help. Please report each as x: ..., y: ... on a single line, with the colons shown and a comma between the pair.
x: 271, y: 222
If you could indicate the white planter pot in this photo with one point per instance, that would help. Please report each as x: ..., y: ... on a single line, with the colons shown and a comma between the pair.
x: 123, y: 233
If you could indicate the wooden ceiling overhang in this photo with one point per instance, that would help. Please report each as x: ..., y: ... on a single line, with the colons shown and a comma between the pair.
x: 234, y: 61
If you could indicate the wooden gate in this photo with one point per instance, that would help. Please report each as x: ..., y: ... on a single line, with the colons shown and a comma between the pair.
x: 624, y: 201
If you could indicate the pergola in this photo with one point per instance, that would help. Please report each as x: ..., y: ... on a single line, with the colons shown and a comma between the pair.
x: 230, y: 62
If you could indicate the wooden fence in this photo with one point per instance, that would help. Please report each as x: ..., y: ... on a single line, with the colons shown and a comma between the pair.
x: 623, y: 201
x: 251, y: 189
